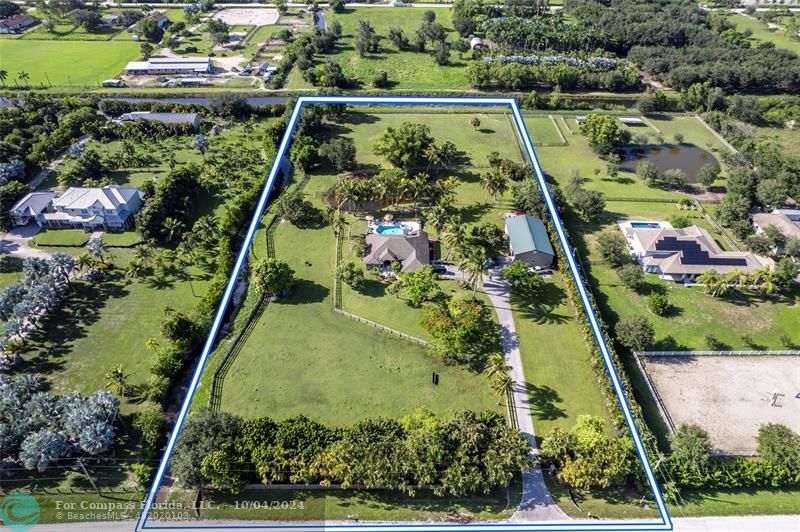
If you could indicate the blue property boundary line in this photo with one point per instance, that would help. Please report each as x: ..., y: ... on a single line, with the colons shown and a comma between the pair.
x: 632, y: 525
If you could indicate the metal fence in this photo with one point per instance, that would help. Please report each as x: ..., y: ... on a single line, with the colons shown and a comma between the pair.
x: 787, y: 352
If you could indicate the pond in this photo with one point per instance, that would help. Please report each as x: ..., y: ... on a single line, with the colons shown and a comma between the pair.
x: 687, y: 157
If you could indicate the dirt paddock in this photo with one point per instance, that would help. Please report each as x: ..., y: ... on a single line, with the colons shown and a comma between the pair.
x: 247, y: 16
x: 729, y: 396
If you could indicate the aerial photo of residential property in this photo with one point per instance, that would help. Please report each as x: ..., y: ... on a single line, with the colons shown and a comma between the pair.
x: 507, y: 264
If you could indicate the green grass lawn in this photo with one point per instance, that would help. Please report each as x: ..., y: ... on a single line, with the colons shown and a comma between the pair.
x: 89, y: 62
x: 543, y: 131
x: 553, y: 354
x: 695, y: 314
x: 786, y: 138
x: 407, y: 70
x: 303, y: 359
x: 763, y: 33
x: 496, y: 133
x: 122, y: 240
x: 373, y: 505
x: 10, y: 271
x: 61, y: 237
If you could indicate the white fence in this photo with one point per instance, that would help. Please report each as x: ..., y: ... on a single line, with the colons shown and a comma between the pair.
x: 788, y: 352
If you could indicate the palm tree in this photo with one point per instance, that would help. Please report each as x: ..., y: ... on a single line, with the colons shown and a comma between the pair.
x: 3, y: 76
x: 97, y: 248
x: 117, y: 381
x: 437, y: 217
x: 471, y: 261
x: 84, y: 262
x: 446, y: 190
x: 144, y: 253
x: 494, y: 184
x: 417, y: 187
x: 151, y: 344
x: 496, y: 364
x: 135, y: 269
x: 345, y: 192
x: 454, y: 237
x: 171, y: 228
x: 502, y: 384
x: 713, y: 283
x: 434, y: 155
x: 171, y: 161
x: 24, y: 76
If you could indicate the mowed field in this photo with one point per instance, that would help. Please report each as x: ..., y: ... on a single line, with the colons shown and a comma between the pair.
x: 407, y: 70
x: 762, y: 33
x: 64, y: 63
x: 302, y: 358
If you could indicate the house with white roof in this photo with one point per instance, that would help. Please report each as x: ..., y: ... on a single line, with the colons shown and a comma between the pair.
x: 192, y: 119
x: 107, y: 208
x: 156, y: 66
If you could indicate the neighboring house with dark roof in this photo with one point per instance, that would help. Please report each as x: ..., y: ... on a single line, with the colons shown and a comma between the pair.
x: 412, y: 250
x: 108, y: 208
x: 16, y: 23
x: 166, y: 118
x: 31, y: 206
x: 684, y: 254
x: 528, y: 241
x: 783, y: 222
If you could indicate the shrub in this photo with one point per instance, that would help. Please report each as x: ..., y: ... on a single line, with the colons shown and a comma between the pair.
x: 380, y: 80
x: 613, y: 248
x: 680, y: 221
x: 658, y: 303
x: 143, y: 474
x: 631, y: 275
x: 351, y: 275
x: 636, y: 333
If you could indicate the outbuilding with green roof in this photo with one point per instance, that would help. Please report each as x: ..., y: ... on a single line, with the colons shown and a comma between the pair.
x: 528, y: 241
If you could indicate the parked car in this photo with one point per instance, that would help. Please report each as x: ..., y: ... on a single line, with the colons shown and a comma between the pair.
x: 114, y: 83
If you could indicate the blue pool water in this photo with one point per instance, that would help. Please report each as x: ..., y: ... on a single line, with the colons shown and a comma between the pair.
x: 389, y: 230
x: 645, y: 225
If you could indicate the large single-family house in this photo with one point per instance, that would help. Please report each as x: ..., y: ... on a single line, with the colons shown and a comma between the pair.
x: 684, y: 254
x: 166, y: 118
x: 411, y: 250
x: 528, y: 241
x: 156, y: 66
x: 16, y: 23
x: 31, y: 206
x: 108, y: 208
x: 787, y: 221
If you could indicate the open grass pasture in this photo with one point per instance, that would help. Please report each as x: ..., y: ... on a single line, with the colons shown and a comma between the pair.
x: 762, y: 33
x: 65, y: 63
x: 407, y: 70
x: 304, y: 359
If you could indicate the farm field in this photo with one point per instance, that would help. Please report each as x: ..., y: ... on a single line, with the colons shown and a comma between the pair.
x: 764, y: 34
x: 407, y: 70
x: 90, y: 62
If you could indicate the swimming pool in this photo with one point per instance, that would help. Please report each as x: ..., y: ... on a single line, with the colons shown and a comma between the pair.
x: 386, y: 229
x: 645, y: 225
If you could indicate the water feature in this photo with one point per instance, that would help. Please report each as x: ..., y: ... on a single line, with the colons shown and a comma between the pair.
x: 687, y: 157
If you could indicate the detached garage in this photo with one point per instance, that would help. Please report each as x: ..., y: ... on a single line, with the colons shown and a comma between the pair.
x: 528, y: 241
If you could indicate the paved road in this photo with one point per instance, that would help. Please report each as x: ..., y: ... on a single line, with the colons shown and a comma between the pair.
x: 770, y: 523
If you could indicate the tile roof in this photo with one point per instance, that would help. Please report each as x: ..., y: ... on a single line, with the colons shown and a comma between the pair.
x: 412, y: 250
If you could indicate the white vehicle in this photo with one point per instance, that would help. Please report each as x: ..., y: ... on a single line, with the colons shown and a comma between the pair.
x: 116, y: 83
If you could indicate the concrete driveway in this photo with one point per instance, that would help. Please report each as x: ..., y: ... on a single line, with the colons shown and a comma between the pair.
x: 17, y: 242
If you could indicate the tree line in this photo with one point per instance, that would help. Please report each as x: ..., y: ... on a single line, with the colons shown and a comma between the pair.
x: 467, y: 453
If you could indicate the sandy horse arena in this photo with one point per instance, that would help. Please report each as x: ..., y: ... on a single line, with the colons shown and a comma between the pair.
x: 730, y: 396
x: 248, y: 16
